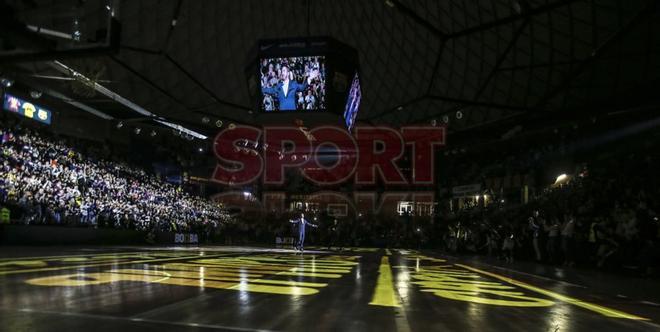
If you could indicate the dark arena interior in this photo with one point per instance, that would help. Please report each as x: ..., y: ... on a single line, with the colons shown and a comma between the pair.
x: 330, y: 165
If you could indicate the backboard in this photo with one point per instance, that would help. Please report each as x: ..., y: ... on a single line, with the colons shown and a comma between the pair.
x: 55, y: 29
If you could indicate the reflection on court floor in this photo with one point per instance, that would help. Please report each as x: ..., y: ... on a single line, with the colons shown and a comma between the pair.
x: 259, y: 273
x: 468, y: 284
x: 455, y: 283
x: 342, y: 281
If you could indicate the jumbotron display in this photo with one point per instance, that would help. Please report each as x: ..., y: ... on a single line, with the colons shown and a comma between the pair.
x: 26, y: 109
x: 301, y: 78
x: 293, y: 84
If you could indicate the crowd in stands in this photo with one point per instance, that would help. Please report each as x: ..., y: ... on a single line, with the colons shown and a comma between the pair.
x: 606, y: 216
x: 46, y: 180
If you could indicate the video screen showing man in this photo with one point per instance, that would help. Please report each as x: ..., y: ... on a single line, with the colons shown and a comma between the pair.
x: 293, y: 84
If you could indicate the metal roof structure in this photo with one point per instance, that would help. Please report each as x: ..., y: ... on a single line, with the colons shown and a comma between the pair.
x: 464, y: 63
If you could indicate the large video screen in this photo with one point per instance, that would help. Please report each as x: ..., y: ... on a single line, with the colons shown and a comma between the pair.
x: 27, y: 109
x: 352, y: 103
x: 293, y: 84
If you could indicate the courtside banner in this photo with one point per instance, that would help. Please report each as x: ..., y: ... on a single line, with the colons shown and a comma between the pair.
x: 26, y: 109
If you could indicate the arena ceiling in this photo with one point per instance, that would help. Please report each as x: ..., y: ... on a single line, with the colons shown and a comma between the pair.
x: 420, y: 59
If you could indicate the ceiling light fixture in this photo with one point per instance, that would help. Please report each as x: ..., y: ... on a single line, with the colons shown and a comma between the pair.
x: 6, y: 82
x: 36, y: 94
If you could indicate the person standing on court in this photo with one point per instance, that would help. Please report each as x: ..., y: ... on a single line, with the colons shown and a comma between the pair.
x: 302, y: 224
x: 535, y: 225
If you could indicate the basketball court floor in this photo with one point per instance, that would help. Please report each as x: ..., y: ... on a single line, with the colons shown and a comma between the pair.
x: 248, y: 289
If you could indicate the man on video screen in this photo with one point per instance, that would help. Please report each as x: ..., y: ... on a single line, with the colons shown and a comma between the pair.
x: 282, y: 90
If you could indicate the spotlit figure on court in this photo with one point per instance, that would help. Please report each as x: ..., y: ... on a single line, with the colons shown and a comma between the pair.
x: 302, y: 224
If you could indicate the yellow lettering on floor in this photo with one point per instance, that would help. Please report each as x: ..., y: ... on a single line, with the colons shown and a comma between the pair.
x: 313, y: 275
x: 98, y: 263
x: 319, y: 269
x: 279, y: 261
x: 425, y: 258
x: 86, y: 279
x: 464, y: 287
x: 306, y: 260
x: 22, y: 263
x: 233, y: 273
x: 586, y: 305
x: 449, y: 282
x: 274, y: 269
x: 218, y: 276
x: 16, y: 265
x: 348, y: 249
x: 277, y: 267
x: 341, y: 258
x: 384, y: 294
x: 110, y: 277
